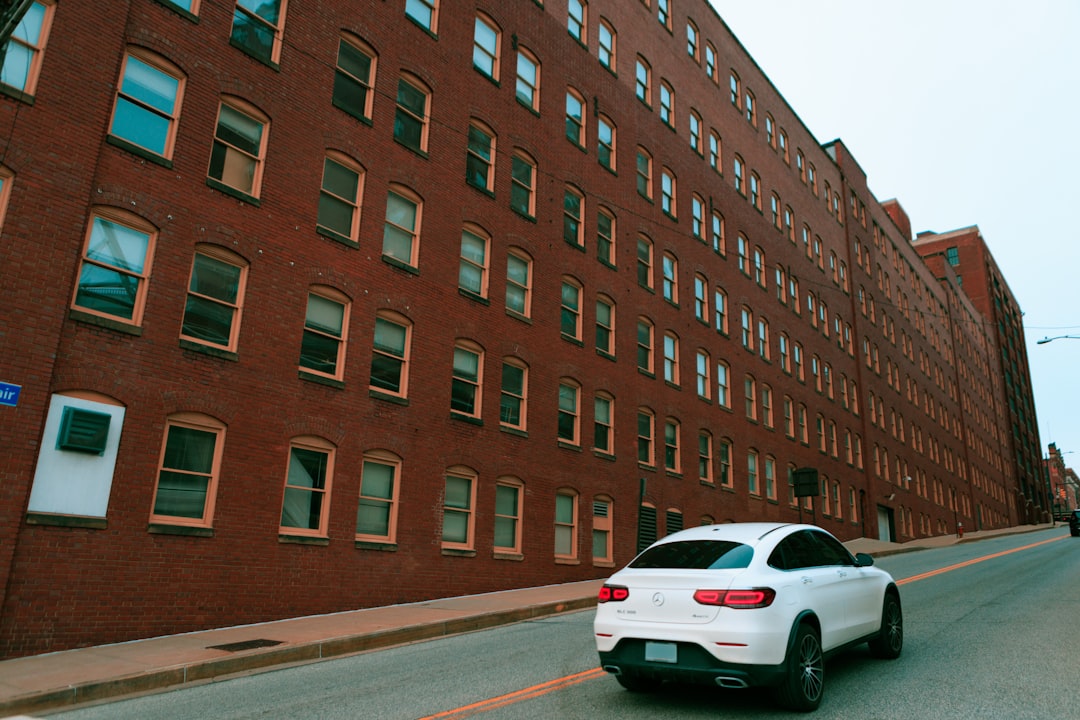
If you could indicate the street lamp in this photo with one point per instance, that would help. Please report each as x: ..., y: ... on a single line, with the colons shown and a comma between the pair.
x: 1057, y: 337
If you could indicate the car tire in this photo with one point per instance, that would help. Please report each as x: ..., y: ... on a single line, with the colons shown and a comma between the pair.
x: 890, y: 638
x: 636, y: 683
x: 804, y: 681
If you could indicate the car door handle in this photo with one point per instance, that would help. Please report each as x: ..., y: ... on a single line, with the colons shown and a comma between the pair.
x: 807, y: 580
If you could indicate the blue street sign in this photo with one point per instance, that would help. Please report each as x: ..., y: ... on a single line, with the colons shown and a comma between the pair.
x: 9, y: 394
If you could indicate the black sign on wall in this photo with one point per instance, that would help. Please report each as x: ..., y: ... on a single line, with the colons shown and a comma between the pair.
x: 805, y: 481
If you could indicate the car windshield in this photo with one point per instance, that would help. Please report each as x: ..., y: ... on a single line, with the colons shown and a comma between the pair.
x: 696, y: 555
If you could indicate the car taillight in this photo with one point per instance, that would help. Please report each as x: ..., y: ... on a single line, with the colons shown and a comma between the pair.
x: 612, y: 593
x: 738, y: 599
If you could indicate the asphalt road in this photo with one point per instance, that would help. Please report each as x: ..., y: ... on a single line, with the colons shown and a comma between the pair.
x: 992, y: 631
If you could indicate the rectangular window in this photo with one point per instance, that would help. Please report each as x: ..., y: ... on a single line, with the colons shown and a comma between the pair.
x: 376, y: 513
x: 512, y: 399
x: 575, y: 124
x: 518, y: 282
x: 644, y: 175
x: 570, y: 314
x: 573, y: 208
x: 575, y: 19
x: 388, y: 359
x: 422, y: 12
x: 307, y: 490
x: 723, y: 386
x: 480, y: 159
x: 354, y: 80
x: 465, y: 387
x: 670, y: 288
x: 725, y: 463
x: 322, y: 349
x: 507, y: 518
x: 605, y: 237
x: 411, y: 116
x: 236, y: 158
x: 115, y: 270
x: 22, y: 55
x: 672, y: 458
x: 522, y: 197
x: 472, y: 270
x: 188, y: 473
x: 603, y: 430
x: 486, y: 48
x: 602, y: 542
x: 147, y: 104
x: 606, y: 50
x: 458, y: 504
x: 605, y: 327
x: 256, y: 29
x: 565, y: 525
x: 671, y: 359
x: 705, y: 460
x: 401, y: 232
x: 527, y: 89
x: 212, y: 310
x: 339, y: 200
x: 644, y: 346
x: 605, y: 139
x: 645, y: 438
x: 569, y: 413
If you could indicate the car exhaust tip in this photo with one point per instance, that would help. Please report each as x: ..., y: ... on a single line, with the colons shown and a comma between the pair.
x: 613, y: 669
x: 731, y: 682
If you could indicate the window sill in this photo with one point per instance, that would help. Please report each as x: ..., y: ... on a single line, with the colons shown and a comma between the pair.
x: 303, y: 540
x: 60, y: 520
x: 567, y: 561
x: 395, y: 263
x: 265, y: 61
x: 470, y: 419
x: 185, y: 530
x: 475, y: 297
x: 567, y: 445
x: 377, y: 546
x: 232, y: 192
x: 208, y: 350
x: 337, y: 237
x: 387, y: 397
x: 99, y: 321
x: 139, y: 151
x: 512, y: 556
x: 518, y: 316
x: 16, y: 94
x: 321, y: 380
x: 411, y: 148
x: 514, y: 431
x: 603, y: 455
x: 458, y: 552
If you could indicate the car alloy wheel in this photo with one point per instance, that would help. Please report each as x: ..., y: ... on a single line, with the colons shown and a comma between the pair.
x: 805, y: 681
x: 890, y: 639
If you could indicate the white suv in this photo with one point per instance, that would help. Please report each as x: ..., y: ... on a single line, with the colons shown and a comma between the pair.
x: 745, y: 604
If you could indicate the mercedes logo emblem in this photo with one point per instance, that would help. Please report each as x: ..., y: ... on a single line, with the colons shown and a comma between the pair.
x: 658, y: 599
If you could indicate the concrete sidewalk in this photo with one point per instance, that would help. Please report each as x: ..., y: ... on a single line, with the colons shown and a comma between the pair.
x: 73, y: 677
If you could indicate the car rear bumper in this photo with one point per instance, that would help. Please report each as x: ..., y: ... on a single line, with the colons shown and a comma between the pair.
x: 694, y: 665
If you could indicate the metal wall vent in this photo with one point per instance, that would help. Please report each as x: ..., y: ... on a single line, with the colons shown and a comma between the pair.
x: 83, y: 431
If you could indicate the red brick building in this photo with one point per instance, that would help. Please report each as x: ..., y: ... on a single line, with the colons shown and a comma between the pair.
x: 317, y: 307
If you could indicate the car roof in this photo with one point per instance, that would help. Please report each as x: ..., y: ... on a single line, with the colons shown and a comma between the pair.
x: 749, y: 533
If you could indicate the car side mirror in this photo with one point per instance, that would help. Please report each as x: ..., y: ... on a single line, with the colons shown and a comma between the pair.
x: 863, y: 560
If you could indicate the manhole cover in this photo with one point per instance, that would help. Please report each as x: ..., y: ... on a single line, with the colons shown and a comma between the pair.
x: 245, y: 645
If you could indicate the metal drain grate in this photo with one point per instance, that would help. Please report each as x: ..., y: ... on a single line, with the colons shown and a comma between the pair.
x: 245, y: 645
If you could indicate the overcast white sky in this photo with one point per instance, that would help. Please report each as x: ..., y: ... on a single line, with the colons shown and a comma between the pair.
x: 974, y: 120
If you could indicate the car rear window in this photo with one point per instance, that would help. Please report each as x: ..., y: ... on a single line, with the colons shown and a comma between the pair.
x: 695, y: 555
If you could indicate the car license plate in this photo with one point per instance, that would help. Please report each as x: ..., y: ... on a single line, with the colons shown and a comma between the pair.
x: 661, y: 652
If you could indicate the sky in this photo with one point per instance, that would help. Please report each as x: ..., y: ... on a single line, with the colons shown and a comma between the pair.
x: 972, y: 119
